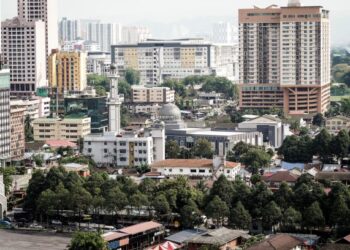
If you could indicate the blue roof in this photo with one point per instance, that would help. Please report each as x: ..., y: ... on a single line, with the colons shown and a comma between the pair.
x: 184, y: 235
x: 290, y: 166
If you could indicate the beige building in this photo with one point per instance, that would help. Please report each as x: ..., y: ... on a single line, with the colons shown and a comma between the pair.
x: 67, y: 71
x: 142, y: 94
x: 337, y: 123
x: 284, y: 58
x: 17, y: 132
x: 70, y: 129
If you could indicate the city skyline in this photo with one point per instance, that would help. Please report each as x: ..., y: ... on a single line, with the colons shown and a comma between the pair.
x: 193, y: 19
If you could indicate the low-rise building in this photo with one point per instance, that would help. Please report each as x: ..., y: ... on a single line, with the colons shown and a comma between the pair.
x: 17, y: 132
x: 152, y: 109
x: 275, y: 180
x: 279, y: 241
x: 197, y: 168
x: 272, y: 128
x: 139, y: 236
x: 98, y: 63
x: 143, y: 94
x: 81, y: 169
x: 69, y: 128
x: 337, y: 123
x: 128, y: 149
x: 222, y: 238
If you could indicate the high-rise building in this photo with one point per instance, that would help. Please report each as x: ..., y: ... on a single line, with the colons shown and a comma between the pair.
x: 135, y: 34
x: 223, y: 32
x: 285, y: 58
x: 69, y: 30
x: 158, y: 60
x: 67, y: 71
x: 45, y: 10
x: 5, y: 129
x: 22, y: 47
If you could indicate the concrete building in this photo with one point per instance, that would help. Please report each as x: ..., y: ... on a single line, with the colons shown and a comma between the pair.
x: 151, y: 109
x: 17, y: 132
x: 119, y: 149
x: 23, y: 47
x: 142, y: 94
x: 69, y: 30
x: 223, y: 32
x: 285, y: 58
x: 5, y: 127
x: 158, y: 60
x: 134, y: 34
x: 273, y: 130
x: 46, y: 11
x: 69, y: 128
x: 221, y: 141
x: 90, y: 105
x: 35, y: 107
x: 98, y: 63
x: 3, y: 199
x: 67, y: 71
x: 337, y: 123
x: 80, y: 45
x: 197, y: 168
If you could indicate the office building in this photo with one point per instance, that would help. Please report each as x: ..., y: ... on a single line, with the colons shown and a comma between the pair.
x: 17, y: 132
x: 23, y: 47
x: 71, y: 128
x: 90, y: 105
x: 45, y: 10
x: 284, y: 58
x: 158, y: 60
x: 67, y: 71
x: 147, y: 95
x: 5, y: 128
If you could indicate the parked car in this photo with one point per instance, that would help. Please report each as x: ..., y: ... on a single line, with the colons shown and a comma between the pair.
x: 56, y: 222
x: 6, y: 224
x: 36, y: 226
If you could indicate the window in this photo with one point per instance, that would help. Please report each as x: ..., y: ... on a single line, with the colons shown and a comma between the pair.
x: 202, y: 171
x: 193, y: 170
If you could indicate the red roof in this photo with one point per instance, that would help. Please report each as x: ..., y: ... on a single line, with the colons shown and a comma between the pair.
x: 281, y: 176
x: 113, y: 236
x: 347, y: 238
x: 190, y: 163
x: 139, y: 228
x: 60, y: 143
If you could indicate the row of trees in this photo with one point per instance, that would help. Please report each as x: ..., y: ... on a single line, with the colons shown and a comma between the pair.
x: 201, y: 148
x: 304, y: 206
x: 326, y: 146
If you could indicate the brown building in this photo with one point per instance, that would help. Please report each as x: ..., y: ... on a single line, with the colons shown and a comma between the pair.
x: 279, y: 241
x: 285, y: 58
x: 17, y: 132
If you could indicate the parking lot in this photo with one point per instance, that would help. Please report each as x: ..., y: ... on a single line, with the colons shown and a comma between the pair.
x: 15, y: 240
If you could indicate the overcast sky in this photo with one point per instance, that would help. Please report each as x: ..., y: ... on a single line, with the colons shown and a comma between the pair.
x: 186, y: 14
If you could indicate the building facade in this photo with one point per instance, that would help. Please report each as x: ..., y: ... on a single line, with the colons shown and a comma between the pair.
x: 69, y: 30
x: 23, y: 47
x: 69, y: 128
x: 3, y: 199
x: 158, y: 60
x: 35, y: 107
x: 5, y: 127
x: 45, y: 10
x: 67, y: 71
x: 337, y: 123
x: 142, y: 94
x: 98, y: 63
x: 284, y: 57
x: 17, y: 132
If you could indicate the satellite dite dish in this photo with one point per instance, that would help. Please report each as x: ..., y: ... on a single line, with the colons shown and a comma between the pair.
x: 294, y: 3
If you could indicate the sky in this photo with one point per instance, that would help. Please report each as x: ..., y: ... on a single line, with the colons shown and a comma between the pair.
x: 168, y: 17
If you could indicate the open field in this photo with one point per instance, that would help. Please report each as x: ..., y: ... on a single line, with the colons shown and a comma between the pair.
x: 15, y: 240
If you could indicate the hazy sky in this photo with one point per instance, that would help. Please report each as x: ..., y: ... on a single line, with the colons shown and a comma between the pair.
x: 183, y: 14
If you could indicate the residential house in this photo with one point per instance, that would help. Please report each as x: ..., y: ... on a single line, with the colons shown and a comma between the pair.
x: 280, y: 242
x: 337, y: 123
x: 275, y: 180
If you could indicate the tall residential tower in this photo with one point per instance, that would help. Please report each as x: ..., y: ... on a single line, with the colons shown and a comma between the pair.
x: 284, y: 56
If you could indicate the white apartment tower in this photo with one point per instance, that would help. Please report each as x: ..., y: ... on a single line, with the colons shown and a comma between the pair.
x: 5, y: 128
x: 69, y: 30
x: 284, y: 58
x: 45, y: 10
x: 22, y: 47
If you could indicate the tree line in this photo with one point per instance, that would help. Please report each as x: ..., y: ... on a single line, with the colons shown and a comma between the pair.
x: 305, y: 206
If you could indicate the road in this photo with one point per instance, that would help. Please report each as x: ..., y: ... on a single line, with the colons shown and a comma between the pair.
x: 14, y: 240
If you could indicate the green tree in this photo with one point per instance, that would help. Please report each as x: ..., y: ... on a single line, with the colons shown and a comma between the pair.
x: 313, y: 216
x: 339, y: 212
x: 28, y: 129
x: 100, y: 90
x: 322, y: 145
x: 161, y: 205
x: 291, y: 218
x: 341, y: 144
x: 46, y: 203
x: 255, y: 159
x: 217, y: 210
x: 284, y: 196
x: 172, y: 149
x: 80, y: 200
x: 224, y: 189
x: 345, y: 106
x: 190, y: 215
x: 318, y: 120
x: 115, y: 200
x: 202, y: 148
x: 124, y: 88
x: 138, y: 201
x: 296, y: 149
x: 87, y: 241
x: 240, y: 217
x: 132, y: 76
x: 271, y: 215
x: 7, y: 173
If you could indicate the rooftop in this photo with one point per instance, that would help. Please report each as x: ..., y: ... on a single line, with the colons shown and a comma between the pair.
x: 139, y: 228
x: 279, y: 241
x: 191, y: 163
x: 184, y: 235
x: 281, y: 176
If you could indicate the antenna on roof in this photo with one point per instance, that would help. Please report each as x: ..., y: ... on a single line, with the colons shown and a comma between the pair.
x: 294, y: 3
